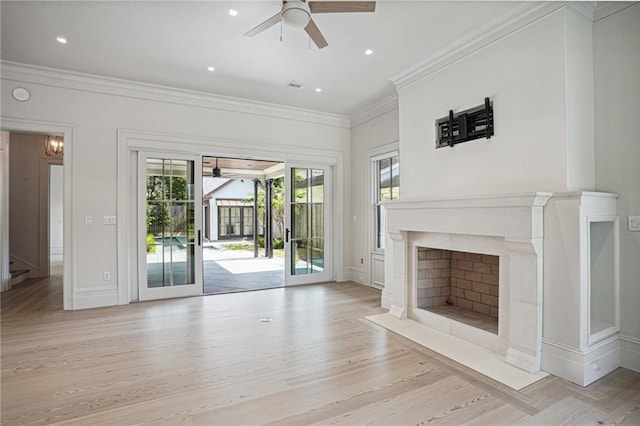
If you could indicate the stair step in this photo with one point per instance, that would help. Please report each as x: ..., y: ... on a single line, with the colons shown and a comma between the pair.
x: 18, y: 276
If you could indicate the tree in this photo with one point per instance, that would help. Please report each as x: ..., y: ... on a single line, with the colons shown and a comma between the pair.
x: 161, y: 191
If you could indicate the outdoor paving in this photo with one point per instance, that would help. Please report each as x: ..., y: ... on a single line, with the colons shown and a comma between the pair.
x: 224, y: 270
x: 228, y: 271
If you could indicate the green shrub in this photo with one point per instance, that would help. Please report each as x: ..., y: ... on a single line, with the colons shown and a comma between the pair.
x: 151, y: 244
x: 278, y: 243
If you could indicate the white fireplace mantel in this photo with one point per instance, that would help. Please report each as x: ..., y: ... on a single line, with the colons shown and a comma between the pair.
x: 508, y: 226
x: 563, y: 246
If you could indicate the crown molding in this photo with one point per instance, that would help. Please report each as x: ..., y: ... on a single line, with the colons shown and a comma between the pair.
x: 32, y: 74
x: 374, y: 110
x: 608, y: 8
x: 512, y: 19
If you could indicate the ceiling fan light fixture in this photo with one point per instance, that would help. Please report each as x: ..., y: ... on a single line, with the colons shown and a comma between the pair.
x: 296, y: 14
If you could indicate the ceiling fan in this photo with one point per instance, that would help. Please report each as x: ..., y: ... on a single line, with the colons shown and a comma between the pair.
x: 216, y: 172
x: 297, y: 14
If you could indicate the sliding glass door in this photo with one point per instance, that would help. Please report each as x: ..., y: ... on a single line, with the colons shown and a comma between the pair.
x: 170, y: 209
x: 308, y: 224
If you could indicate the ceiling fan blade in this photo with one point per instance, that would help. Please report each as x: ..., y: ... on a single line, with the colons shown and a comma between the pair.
x: 265, y: 25
x: 315, y: 34
x: 342, y: 6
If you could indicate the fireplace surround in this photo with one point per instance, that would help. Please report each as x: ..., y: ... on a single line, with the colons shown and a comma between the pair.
x: 519, y: 231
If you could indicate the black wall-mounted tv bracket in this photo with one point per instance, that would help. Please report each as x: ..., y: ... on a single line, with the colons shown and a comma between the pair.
x: 474, y: 123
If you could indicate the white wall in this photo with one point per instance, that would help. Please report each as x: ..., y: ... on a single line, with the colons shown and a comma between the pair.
x: 617, y: 112
x: 537, y: 137
x: 26, y: 151
x: 99, y: 108
x: 56, y: 209
x: 368, y: 137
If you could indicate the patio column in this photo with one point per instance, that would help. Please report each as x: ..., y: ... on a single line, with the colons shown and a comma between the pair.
x: 268, y: 237
x: 256, y: 183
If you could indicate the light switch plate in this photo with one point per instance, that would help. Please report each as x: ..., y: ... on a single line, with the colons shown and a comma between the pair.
x: 634, y: 223
x: 108, y: 220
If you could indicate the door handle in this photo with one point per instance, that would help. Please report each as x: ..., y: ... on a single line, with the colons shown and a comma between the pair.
x: 286, y: 238
x: 199, y: 237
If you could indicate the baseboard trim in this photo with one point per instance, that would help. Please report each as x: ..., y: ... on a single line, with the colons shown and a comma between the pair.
x: 630, y: 353
x: 357, y: 275
x: 95, y: 297
x: 581, y: 367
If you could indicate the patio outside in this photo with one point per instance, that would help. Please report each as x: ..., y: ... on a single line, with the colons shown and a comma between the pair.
x: 228, y: 268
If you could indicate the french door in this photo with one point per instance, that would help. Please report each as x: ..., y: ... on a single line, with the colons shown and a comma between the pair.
x: 308, y: 224
x: 170, y: 220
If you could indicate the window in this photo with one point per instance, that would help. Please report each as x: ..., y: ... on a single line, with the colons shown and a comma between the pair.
x: 235, y: 222
x: 386, y: 172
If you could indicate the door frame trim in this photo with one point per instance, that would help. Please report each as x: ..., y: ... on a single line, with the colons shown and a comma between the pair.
x: 132, y: 141
x: 69, y: 244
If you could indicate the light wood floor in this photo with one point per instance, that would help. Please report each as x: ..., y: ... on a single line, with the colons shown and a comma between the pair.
x: 211, y: 360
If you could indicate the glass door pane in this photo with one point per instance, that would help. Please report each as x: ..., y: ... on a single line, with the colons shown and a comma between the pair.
x: 307, y: 225
x: 171, y: 261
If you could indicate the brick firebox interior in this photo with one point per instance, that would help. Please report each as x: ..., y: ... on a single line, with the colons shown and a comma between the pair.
x: 465, y: 280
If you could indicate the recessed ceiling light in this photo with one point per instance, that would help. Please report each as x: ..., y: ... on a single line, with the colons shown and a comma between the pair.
x: 318, y: 89
x: 368, y: 52
x: 233, y: 12
x: 211, y: 68
x: 61, y: 40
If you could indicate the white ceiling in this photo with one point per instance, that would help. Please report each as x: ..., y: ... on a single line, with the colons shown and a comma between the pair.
x: 173, y: 43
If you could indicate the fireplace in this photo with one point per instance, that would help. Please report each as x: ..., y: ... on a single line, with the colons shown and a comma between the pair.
x: 459, y: 285
x: 465, y: 277
x: 485, y: 238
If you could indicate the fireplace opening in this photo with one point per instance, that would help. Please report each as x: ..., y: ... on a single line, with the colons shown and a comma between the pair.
x: 459, y: 285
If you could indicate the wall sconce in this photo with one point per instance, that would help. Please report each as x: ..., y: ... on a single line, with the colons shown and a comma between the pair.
x: 53, y: 145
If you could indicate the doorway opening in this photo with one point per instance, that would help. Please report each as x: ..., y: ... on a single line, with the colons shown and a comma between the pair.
x: 35, y: 206
x: 243, y: 224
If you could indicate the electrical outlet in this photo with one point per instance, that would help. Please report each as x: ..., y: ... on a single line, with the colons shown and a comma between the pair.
x: 108, y: 220
x: 106, y: 275
x: 88, y: 220
x: 634, y: 223
x: 362, y: 260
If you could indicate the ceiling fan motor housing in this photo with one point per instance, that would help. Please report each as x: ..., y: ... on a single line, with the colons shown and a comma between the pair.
x: 296, y: 14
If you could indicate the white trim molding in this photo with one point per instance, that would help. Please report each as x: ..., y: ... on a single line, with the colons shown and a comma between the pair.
x: 5, y: 275
x: 629, y: 352
x: 511, y: 20
x: 25, y: 73
x: 374, y: 110
x: 607, y: 8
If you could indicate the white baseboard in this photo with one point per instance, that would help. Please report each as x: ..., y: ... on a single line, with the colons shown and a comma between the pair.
x: 95, y: 297
x: 386, y: 300
x: 581, y: 367
x: 357, y: 275
x: 630, y: 353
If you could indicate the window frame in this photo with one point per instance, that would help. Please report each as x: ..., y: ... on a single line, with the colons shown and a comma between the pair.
x: 375, y: 202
